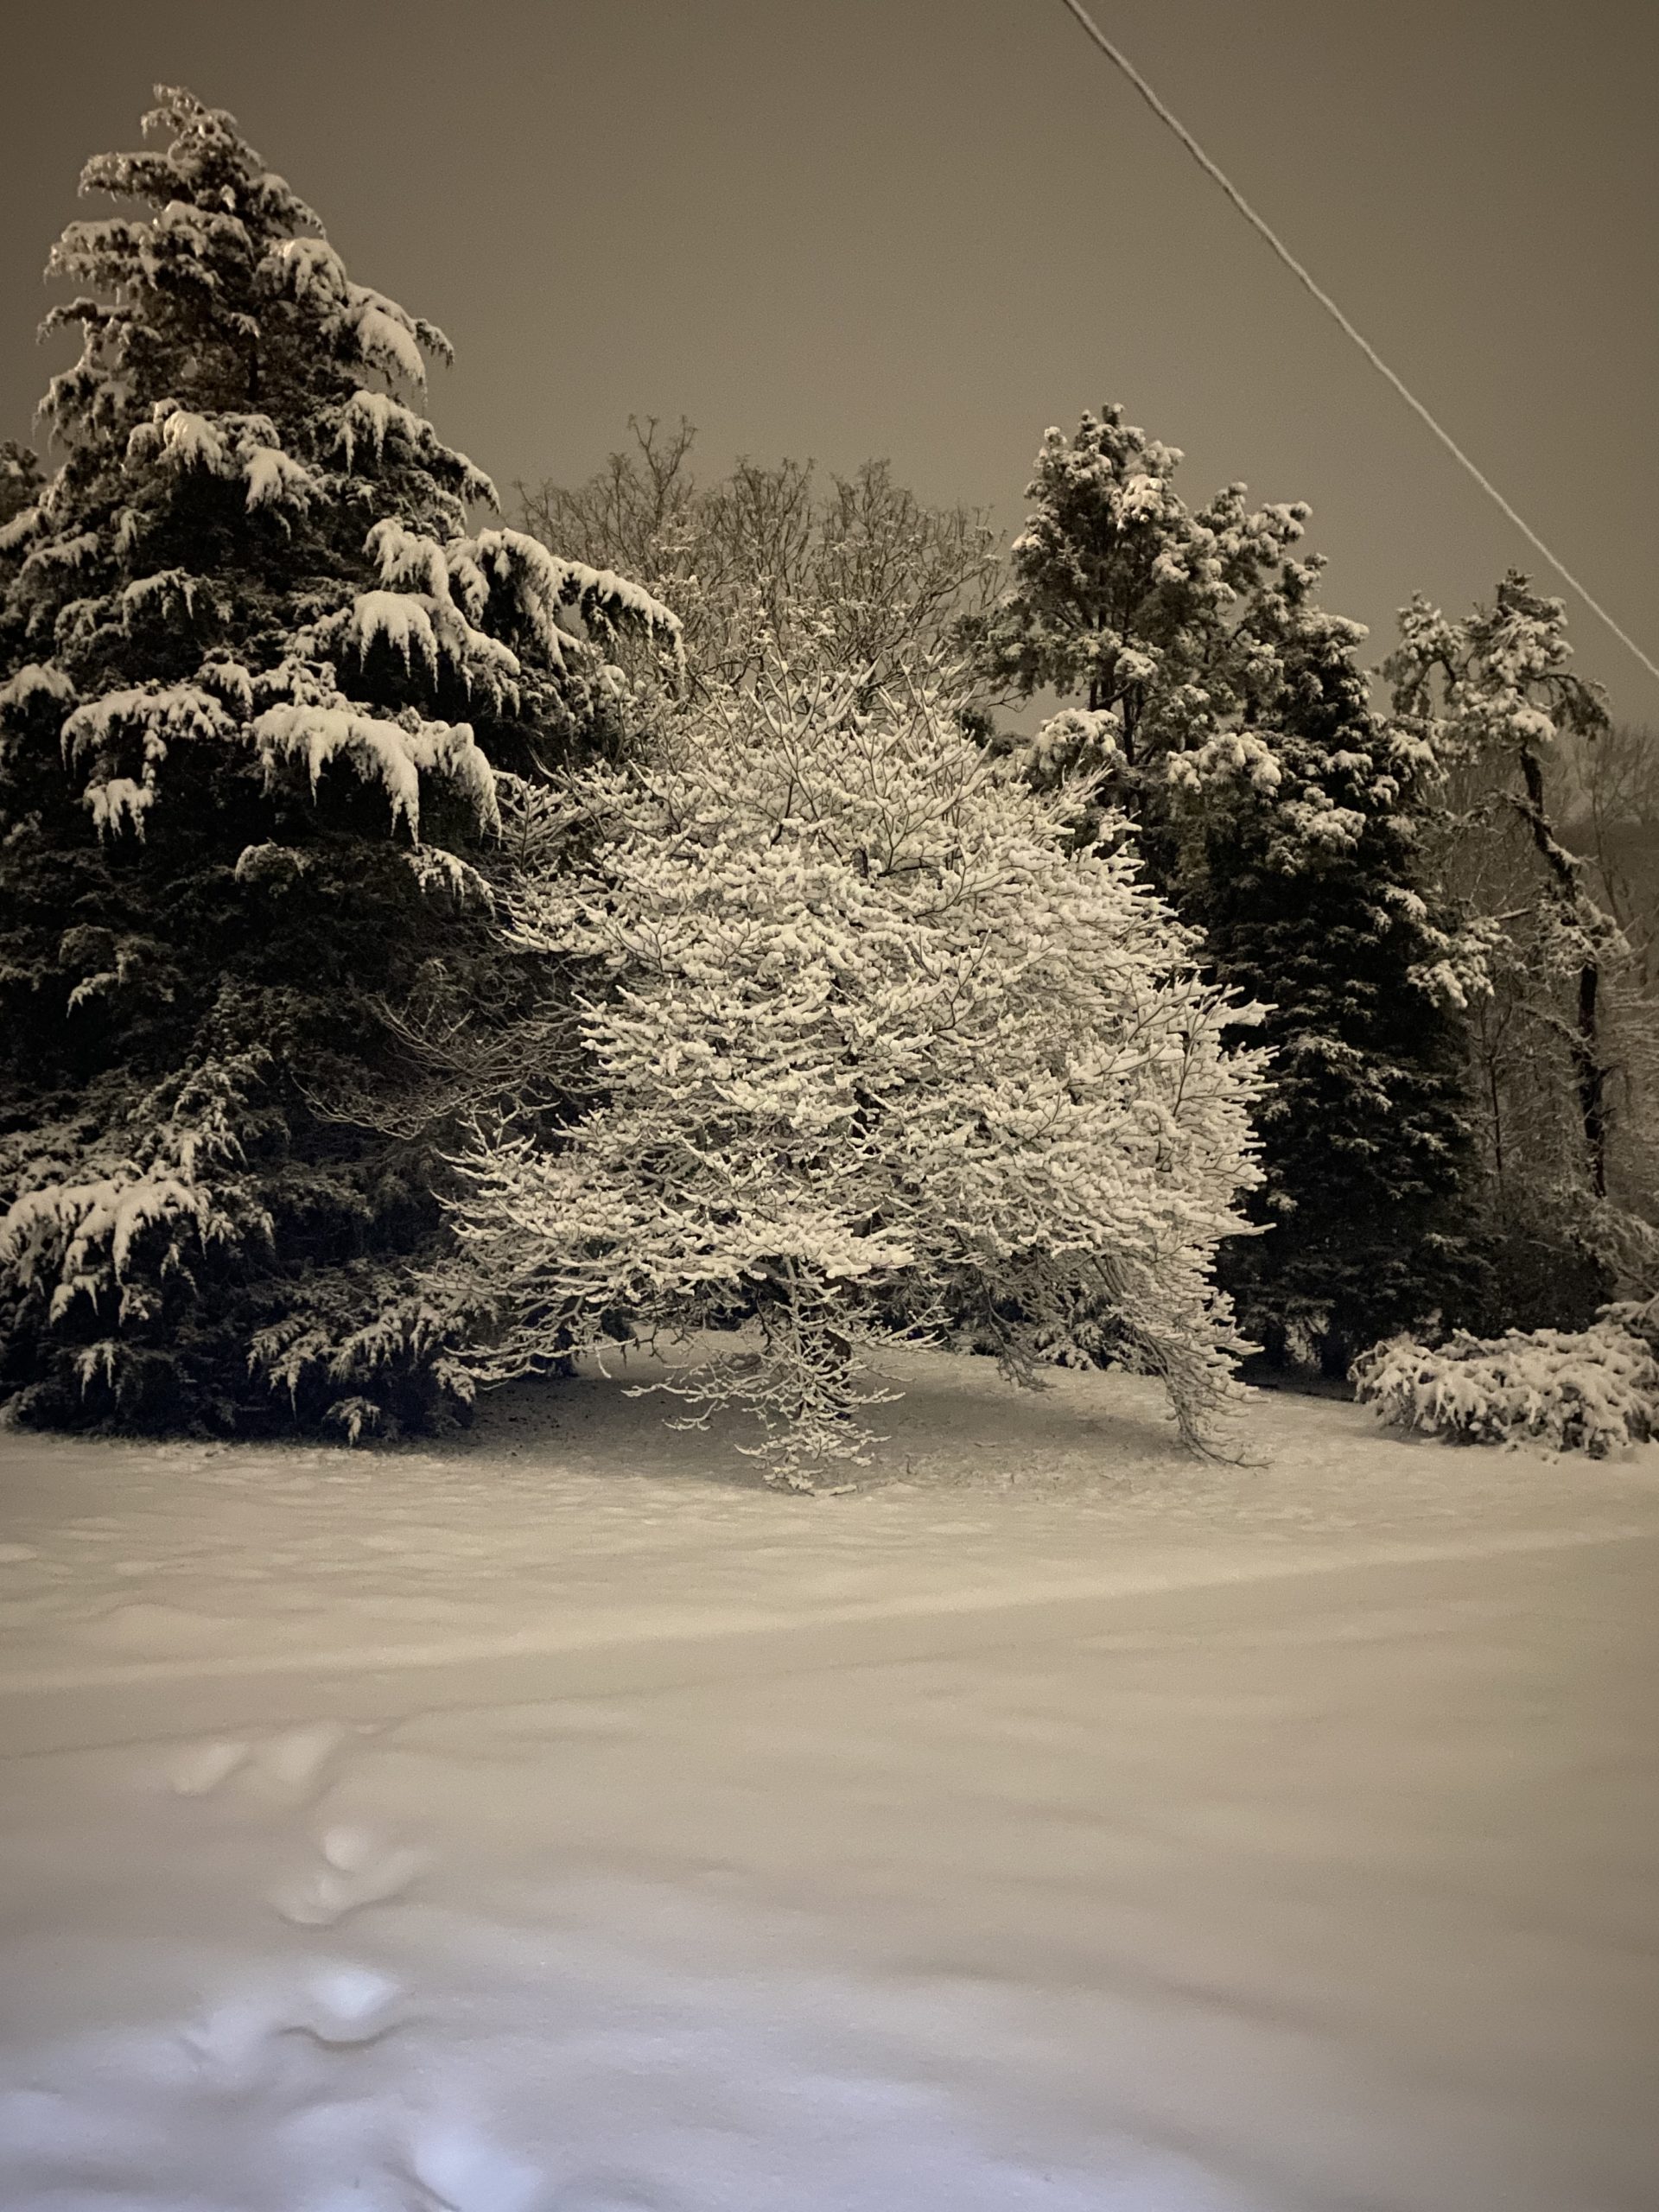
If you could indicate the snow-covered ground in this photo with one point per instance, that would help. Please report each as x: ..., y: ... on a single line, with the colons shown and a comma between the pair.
x: 559, y: 1822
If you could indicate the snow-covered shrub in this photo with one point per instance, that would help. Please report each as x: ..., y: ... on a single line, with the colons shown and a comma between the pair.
x: 877, y: 1049
x: 1637, y: 1317
x: 1592, y: 1390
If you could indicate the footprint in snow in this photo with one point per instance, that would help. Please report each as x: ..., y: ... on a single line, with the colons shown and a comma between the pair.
x: 288, y: 1770
x: 457, y: 2170
x: 346, y: 2006
x: 360, y: 1868
x: 240, y: 2048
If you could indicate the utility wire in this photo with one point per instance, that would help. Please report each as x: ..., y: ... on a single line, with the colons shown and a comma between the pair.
x: 1120, y: 60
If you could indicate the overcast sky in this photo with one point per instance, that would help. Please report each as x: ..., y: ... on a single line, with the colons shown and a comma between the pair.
x: 929, y: 228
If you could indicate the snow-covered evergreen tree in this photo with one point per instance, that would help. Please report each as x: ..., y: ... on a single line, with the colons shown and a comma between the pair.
x: 877, y: 1046
x: 1124, y: 600
x: 1313, y: 895
x: 1228, y: 718
x: 258, y: 673
x: 1495, y: 697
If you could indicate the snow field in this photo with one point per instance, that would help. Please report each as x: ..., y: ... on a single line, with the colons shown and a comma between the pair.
x: 1059, y: 1824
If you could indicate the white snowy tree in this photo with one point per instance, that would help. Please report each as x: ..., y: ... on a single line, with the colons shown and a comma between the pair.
x: 879, y: 1051
x: 1494, y: 696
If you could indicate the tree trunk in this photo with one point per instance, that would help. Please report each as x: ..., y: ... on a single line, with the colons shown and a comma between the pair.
x: 1592, y: 1078
x: 1564, y: 871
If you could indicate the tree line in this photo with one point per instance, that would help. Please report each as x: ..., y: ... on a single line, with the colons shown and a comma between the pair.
x: 434, y: 945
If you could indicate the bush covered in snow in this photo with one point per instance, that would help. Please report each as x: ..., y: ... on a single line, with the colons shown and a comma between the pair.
x: 875, y: 1048
x: 1592, y: 1390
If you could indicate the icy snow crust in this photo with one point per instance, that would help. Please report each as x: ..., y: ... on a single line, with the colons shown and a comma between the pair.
x: 560, y: 1821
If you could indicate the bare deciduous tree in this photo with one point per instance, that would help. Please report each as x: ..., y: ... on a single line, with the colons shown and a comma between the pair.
x: 851, y: 574
x: 1541, y: 792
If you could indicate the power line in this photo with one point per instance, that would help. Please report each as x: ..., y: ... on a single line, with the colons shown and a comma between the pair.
x: 1120, y: 60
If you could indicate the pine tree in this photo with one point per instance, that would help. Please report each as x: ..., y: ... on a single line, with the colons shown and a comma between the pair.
x: 1228, y: 718
x: 262, y: 691
x: 1124, y: 600
x: 1312, y: 897
x: 877, y: 1046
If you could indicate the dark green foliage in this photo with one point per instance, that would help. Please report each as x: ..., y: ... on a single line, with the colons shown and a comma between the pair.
x: 257, y: 682
x: 1310, y: 897
x: 1227, y: 719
